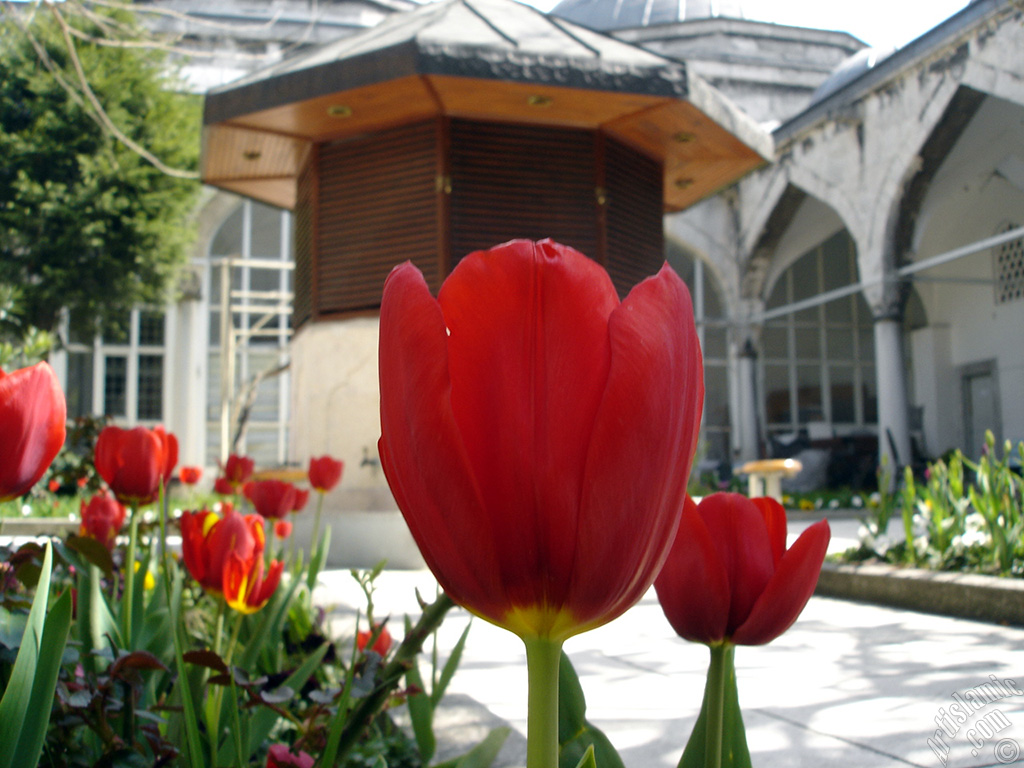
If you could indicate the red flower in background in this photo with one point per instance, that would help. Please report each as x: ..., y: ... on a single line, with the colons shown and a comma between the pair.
x: 380, y: 646
x: 325, y: 473
x: 537, y: 433
x: 282, y: 529
x: 729, y: 576
x: 190, y: 475
x: 223, y: 486
x: 32, y: 427
x: 301, y: 499
x: 134, y: 462
x: 208, y: 539
x: 238, y: 470
x: 102, y: 518
x: 273, y: 499
x: 279, y: 756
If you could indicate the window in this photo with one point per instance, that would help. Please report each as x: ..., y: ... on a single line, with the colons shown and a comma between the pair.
x: 817, y: 365
x: 121, y: 373
x: 257, y: 240
x: 1009, y: 268
x: 712, y: 330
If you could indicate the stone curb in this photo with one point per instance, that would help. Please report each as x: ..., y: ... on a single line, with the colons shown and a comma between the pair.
x: 962, y: 595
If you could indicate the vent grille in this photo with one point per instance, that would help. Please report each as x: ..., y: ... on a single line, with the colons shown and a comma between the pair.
x: 1009, y: 268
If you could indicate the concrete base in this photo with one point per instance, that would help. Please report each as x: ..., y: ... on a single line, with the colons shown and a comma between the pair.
x: 361, y: 539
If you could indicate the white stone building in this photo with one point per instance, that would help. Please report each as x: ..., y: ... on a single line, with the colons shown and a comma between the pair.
x: 867, y: 282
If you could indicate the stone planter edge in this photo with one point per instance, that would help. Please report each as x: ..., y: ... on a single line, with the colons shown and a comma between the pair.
x: 963, y: 595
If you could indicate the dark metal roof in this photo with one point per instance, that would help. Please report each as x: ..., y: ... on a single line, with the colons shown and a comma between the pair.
x: 486, y: 39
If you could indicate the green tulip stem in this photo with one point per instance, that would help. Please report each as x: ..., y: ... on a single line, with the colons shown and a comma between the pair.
x: 719, y: 672
x: 128, y: 598
x: 316, y: 520
x: 542, y: 659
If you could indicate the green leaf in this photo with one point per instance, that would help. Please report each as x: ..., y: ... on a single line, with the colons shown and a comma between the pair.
x: 421, y: 708
x: 576, y: 735
x: 93, y: 552
x: 588, y: 760
x: 34, y: 677
x: 263, y: 720
x: 448, y: 671
x: 483, y: 754
x: 14, y: 705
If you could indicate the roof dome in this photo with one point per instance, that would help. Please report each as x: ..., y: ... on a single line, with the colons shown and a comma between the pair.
x: 850, y: 69
x: 622, y: 14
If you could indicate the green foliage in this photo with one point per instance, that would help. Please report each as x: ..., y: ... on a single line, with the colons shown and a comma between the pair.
x: 577, y: 736
x: 85, y: 222
x: 962, y: 516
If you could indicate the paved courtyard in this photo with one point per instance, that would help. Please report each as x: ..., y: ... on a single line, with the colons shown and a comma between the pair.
x: 849, y: 685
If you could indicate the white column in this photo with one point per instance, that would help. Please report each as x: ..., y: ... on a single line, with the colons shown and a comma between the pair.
x: 746, y: 421
x: 893, y: 406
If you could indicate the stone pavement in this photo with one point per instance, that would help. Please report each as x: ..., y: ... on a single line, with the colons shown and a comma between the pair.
x: 848, y: 685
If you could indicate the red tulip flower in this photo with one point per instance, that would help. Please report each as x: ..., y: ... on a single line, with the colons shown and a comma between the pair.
x: 729, y: 576
x: 272, y: 499
x: 32, y: 427
x: 223, y: 486
x: 208, y: 539
x: 245, y: 588
x: 279, y: 756
x: 190, y: 475
x: 325, y: 473
x: 238, y: 470
x: 536, y: 433
x: 282, y: 529
x: 102, y: 518
x: 380, y: 646
x: 134, y: 462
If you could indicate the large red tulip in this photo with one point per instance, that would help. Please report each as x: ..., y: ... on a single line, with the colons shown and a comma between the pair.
x: 536, y: 433
x: 32, y: 424
x: 102, y: 518
x: 134, y: 462
x: 325, y: 473
x: 729, y: 576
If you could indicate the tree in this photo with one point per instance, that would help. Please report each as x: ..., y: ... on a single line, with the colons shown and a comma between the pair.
x: 88, y: 222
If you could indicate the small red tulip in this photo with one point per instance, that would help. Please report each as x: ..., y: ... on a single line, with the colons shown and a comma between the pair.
x: 53, y: 485
x: 223, y: 487
x: 238, y: 470
x: 190, y: 475
x: 729, y: 576
x: 134, y: 462
x: 208, y: 539
x: 325, y: 473
x: 279, y: 756
x: 32, y: 427
x: 381, y: 645
x: 537, y: 433
x: 102, y: 518
x: 282, y: 529
x: 273, y: 499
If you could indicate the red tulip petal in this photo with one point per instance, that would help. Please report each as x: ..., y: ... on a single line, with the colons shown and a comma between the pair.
x: 741, y: 535
x: 789, y: 589
x: 693, y: 588
x: 421, y: 450
x: 32, y: 423
x: 529, y: 357
x: 641, y: 448
x: 775, y: 519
